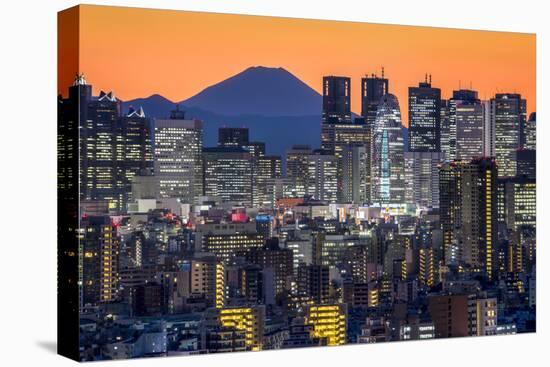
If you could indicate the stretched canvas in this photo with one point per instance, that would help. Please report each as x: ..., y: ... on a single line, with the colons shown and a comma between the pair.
x: 233, y: 183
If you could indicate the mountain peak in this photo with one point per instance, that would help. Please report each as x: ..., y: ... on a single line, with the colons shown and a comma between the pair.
x: 259, y: 90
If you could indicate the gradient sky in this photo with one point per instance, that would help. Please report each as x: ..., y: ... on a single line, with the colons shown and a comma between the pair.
x: 139, y: 52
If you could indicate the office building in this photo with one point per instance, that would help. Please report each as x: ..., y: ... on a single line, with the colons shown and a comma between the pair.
x: 335, y: 137
x: 388, y: 163
x: 297, y: 167
x: 422, y: 178
x: 322, y: 171
x: 356, y: 174
x: 233, y: 137
x: 373, y: 88
x: 336, y: 99
x: 228, y: 174
x: 266, y: 169
x: 468, y: 119
x: 508, y: 111
x: 178, y: 158
x: 424, y: 118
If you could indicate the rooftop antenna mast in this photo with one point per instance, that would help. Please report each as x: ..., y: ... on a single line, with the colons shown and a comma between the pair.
x: 382, y: 72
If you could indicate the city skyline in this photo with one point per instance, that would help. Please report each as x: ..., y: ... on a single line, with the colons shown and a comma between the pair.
x: 180, y: 234
x: 272, y: 42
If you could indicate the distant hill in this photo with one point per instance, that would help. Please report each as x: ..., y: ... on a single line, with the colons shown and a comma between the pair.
x: 278, y: 108
x: 259, y: 91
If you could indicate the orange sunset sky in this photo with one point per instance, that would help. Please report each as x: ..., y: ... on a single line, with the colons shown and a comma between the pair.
x: 139, y: 52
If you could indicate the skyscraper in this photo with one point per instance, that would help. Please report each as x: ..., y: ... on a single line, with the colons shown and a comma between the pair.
x: 530, y: 132
x: 508, y: 111
x: 388, y: 166
x: 228, y: 174
x: 356, y: 174
x: 479, y: 214
x: 373, y: 88
x: 97, y: 122
x: 422, y: 177
x: 336, y: 99
x: 489, y: 138
x: 445, y: 142
x: 297, y: 167
x: 321, y: 176
x: 450, y: 174
x: 266, y: 169
x: 137, y: 147
x: 335, y: 137
x: 424, y: 118
x: 178, y: 162
x: 232, y: 136
x: 467, y: 119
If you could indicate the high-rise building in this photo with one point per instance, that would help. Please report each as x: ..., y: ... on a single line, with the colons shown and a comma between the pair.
x: 335, y: 137
x: 479, y: 214
x: 321, y: 176
x: 450, y: 182
x: 424, y: 118
x: 467, y: 117
x: 329, y: 322
x: 526, y: 163
x: 137, y: 147
x: 297, y: 167
x: 228, y: 174
x: 388, y: 163
x: 519, y: 201
x: 422, y: 178
x: 266, y: 168
x: 468, y: 96
x: 97, y: 130
x: 336, y: 99
x: 373, y: 88
x: 356, y: 174
x: 178, y: 159
x: 99, y: 246
x: 445, y: 131
x: 530, y: 132
x: 233, y: 137
x: 489, y: 137
x: 508, y: 111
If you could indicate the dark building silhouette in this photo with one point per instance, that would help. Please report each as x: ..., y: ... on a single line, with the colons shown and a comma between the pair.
x: 373, y: 88
x: 136, y: 143
x: 424, y: 118
x: 313, y: 283
x: 232, y: 137
x: 336, y: 99
x: 526, y: 163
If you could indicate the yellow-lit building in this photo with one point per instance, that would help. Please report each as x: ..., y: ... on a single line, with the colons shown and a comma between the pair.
x: 249, y: 320
x: 329, y: 323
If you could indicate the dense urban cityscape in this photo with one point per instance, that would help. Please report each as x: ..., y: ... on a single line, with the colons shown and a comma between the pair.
x: 379, y: 234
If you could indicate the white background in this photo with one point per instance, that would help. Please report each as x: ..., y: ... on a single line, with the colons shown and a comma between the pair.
x: 28, y: 179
